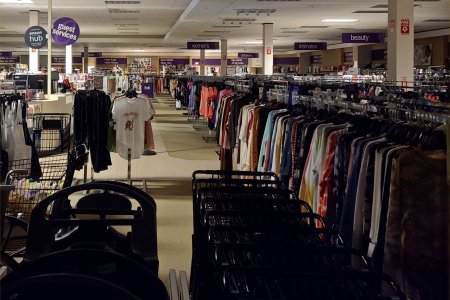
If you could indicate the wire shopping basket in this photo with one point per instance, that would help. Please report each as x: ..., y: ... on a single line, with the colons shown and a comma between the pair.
x: 36, y: 179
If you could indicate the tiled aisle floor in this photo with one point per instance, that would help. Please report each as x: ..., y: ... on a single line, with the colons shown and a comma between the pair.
x: 169, y: 183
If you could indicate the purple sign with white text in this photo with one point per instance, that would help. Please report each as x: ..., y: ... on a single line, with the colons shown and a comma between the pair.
x: 111, y: 61
x: 65, y: 31
x: 310, y: 46
x: 248, y: 55
x: 363, y: 38
x: 6, y: 54
x: 203, y: 45
x: 9, y: 60
x: 173, y: 61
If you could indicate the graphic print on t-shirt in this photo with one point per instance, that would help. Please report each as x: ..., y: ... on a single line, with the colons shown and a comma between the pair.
x: 129, y: 124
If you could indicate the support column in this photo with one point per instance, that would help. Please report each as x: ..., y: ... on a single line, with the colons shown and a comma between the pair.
x: 223, y: 57
x: 356, y: 57
x: 305, y: 62
x: 69, y: 59
x: 268, y: 48
x: 202, y: 62
x: 86, y: 59
x: 33, y: 63
x: 400, y: 64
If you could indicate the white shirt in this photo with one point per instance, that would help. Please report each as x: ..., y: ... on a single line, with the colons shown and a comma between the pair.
x: 130, y: 115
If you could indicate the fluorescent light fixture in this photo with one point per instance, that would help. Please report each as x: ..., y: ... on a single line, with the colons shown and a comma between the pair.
x: 138, y: 50
x: 16, y: 2
x: 339, y: 20
x: 254, y: 42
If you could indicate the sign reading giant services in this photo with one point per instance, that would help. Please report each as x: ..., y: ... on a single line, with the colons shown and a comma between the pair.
x: 36, y: 37
x: 363, y: 38
x: 65, y: 31
x: 203, y: 45
x: 310, y: 46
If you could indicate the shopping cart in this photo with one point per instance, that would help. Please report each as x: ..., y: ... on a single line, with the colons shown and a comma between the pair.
x: 51, y: 133
x: 34, y: 180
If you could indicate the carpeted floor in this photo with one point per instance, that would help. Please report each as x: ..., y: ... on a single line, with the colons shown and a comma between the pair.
x: 179, y: 136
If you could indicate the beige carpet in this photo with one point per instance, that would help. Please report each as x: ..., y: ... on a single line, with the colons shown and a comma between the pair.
x: 180, y: 137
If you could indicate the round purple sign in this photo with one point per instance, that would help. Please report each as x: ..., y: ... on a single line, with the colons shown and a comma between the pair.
x: 65, y: 31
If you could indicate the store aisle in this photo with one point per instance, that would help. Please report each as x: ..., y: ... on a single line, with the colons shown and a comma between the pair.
x: 168, y: 178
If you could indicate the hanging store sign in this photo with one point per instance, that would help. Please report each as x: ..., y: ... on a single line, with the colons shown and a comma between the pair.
x: 237, y: 62
x: 173, y: 61
x: 248, y: 55
x: 202, y: 45
x: 315, y: 59
x: 147, y: 89
x: 92, y: 54
x: 348, y: 57
x: 208, y: 62
x: 6, y: 54
x: 363, y: 38
x: 65, y: 31
x: 286, y: 60
x: 111, y: 61
x: 9, y: 60
x: 310, y: 46
x: 62, y: 60
x: 36, y: 37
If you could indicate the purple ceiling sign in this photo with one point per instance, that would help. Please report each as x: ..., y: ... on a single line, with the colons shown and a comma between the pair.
x: 310, y: 46
x: 379, y: 54
x: 93, y: 54
x: 248, y: 55
x: 203, y: 45
x: 111, y: 61
x: 6, y: 54
x: 286, y: 60
x: 62, y: 60
x: 363, y: 38
x: 237, y: 62
x: 208, y: 61
x: 315, y: 59
x: 173, y: 61
x: 65, y: 31
x: 9, y: 60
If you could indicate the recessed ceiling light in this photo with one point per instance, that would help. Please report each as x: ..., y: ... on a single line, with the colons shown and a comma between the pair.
x: 339, y: 20
x: 254, y: 42
x: 16, y: 1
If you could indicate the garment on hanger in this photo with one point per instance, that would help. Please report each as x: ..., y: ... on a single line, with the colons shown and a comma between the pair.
x: 130, y: 115
x: 91, y: 111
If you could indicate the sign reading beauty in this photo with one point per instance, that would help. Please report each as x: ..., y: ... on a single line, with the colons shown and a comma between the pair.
x: 65, y: 31
x: 310, y: 46
x: 363, y: 38
x: 202, y: 45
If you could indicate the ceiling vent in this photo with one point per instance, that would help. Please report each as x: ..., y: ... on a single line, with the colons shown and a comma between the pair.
x: 122, y: 2
x: 294, y: 31
x: 438, y: 20
x: 370, y: 12
x: 216, y: 31
x: 123, y: 11
x: 227, y: 26
x: 312, y: 26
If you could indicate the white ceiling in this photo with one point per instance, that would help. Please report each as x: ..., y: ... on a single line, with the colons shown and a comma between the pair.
x: 162, y: 27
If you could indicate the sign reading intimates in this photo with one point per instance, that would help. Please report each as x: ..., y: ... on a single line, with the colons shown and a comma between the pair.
x: 310, y: 46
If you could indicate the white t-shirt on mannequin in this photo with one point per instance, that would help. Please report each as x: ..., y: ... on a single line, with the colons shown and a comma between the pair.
x: 130, y: 115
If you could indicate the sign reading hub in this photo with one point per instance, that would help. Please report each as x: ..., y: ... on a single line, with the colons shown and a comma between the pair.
x: 65, y: 31
x: 36, y: 37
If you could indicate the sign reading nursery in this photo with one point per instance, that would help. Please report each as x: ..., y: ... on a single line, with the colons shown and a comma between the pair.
x: 65, y: 31
x: 203, y: 45
x: 36, y: 37
x: 368, y: 37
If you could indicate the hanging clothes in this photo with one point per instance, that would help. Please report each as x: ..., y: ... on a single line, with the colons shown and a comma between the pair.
x: 91, y: 111
x: 130, y: 114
